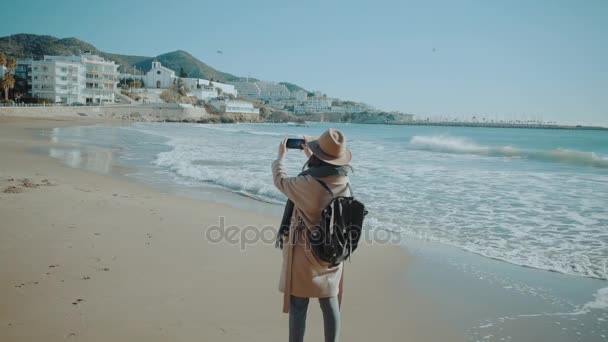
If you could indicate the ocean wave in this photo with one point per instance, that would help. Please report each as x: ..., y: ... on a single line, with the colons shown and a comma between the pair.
x: 461, y: 145
x: 185, y: 161
x: 238, y: 130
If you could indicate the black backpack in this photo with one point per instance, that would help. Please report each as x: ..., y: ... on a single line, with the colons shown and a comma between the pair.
x: 337, y: 235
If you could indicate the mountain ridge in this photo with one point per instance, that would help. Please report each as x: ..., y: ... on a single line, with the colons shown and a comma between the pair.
x: 25, y: 45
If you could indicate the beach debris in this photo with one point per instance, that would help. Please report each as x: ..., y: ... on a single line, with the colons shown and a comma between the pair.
x: 77, y: 301
x: 27, y: 183
x: 53, y: 266
x: 12, y: 190
x: 105, y: 269
x: 86, y: 278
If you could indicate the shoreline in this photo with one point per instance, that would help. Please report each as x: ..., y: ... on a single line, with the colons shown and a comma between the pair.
x: 100, y: 258
x: 170, y: 112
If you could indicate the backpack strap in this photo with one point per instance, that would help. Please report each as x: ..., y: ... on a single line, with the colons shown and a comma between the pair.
x: 326, y: 187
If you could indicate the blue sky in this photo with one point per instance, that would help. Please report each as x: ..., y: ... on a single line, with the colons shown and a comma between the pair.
x: 504, y: 59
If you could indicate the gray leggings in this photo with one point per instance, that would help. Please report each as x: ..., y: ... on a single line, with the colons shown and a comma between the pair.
x: 297, y: 318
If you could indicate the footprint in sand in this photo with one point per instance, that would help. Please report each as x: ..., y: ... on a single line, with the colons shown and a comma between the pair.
x: 24, y: 183
x: 12, y: 190
x: 46, y: 182
x: 27, y: 283
x: 77, y: 301
x: 27, y: 183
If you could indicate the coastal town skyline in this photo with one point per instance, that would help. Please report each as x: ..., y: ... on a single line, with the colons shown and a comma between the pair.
x: 556, y: 74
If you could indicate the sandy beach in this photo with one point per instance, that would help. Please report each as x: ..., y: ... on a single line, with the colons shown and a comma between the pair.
x: 90, y: 257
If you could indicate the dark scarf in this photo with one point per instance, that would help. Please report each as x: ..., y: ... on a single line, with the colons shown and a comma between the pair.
x: 316, y: 172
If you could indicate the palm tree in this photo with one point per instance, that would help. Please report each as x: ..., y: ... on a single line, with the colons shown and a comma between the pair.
x: 2, y: 59
x: 11, y: 63
x: 6, y: 83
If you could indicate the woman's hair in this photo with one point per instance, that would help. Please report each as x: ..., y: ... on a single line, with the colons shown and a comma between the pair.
x: 313, y: 161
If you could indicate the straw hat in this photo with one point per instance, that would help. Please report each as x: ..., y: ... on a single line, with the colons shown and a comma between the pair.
x: 330, y: 147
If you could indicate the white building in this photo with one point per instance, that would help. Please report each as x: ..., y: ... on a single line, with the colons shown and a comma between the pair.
x: 234, y: 106
x: 299, y: 95
x: 67, y: 79
x: 159, y: 76
x: 273, y: 91
x: 195, y: 83
x: 101, y: 78
x: 204, y: 92
x: 2, y: 70
x: 162, y: 77
x: 313, y: 105
x: 265, y: 91
x: 247, y: 89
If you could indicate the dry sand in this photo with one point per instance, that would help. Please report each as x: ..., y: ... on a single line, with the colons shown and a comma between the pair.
x: 87, y: 257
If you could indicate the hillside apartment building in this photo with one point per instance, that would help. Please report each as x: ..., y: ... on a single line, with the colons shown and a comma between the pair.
x: 86, y: 78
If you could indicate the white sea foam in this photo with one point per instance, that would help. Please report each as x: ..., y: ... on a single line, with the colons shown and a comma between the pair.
x: 600, y: 301
x: 462, y: 145
x: 546, y: 218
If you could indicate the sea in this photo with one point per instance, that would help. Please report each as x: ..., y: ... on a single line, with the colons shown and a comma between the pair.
x: 520, y: 215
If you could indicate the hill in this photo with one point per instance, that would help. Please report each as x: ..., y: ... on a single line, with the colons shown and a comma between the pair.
x: 36, y: 46
x: 182, y: 59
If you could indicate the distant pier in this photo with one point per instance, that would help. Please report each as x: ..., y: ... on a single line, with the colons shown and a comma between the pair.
x: 496, y: 125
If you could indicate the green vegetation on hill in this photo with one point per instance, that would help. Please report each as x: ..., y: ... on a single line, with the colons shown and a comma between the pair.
x: 36, y: 46
x: 292, y: 87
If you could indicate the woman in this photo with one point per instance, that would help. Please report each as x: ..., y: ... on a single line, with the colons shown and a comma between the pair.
x: 303, y: 275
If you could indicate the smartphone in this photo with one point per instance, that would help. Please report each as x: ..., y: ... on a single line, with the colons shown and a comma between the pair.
x: 294, y: 143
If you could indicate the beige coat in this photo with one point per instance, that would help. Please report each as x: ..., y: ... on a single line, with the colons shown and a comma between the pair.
x: 302, y: 274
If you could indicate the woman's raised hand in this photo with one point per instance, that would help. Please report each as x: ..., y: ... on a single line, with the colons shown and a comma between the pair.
x: 306, y: 149
x: 282, y: 149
